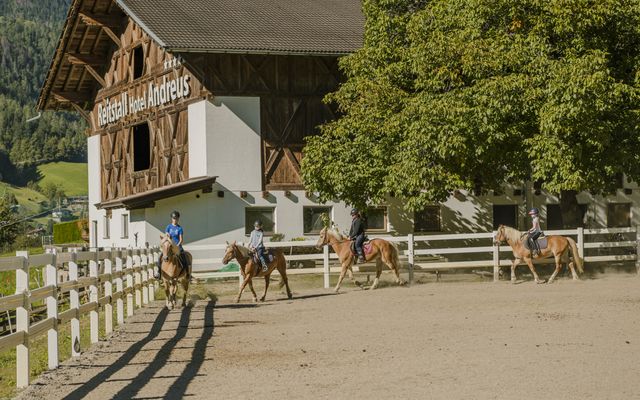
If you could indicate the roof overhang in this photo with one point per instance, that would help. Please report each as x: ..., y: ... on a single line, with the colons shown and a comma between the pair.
x: 147, y: 199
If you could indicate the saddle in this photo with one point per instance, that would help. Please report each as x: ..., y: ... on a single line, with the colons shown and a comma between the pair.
x: 268, y: 256
x: 542, y: 242
x: 366, y: 246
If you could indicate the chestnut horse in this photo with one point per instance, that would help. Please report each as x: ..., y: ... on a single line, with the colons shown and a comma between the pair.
x: 172, y: 272
x: 381, y: 250
x: 250, y: 269
x: 557, y: 247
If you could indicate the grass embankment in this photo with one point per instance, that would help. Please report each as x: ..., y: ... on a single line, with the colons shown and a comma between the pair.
x: 71, y: 176
x: 28, y: 199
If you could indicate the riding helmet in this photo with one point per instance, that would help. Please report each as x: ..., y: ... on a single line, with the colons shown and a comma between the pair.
x: 175, y: 214
x: 534, y: 211
x: 257, y: 223
x: 354, y: 211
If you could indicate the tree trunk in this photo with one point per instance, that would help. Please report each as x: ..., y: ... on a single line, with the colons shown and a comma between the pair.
x: 570, y: 209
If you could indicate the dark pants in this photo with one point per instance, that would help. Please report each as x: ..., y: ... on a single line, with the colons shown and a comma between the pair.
x: 533, y: 241
x: 358, y: 242
x: 183, y: 260
x: 260, y: 253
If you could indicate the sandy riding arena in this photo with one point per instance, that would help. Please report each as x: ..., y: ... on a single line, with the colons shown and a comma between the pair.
x: 568, y: 340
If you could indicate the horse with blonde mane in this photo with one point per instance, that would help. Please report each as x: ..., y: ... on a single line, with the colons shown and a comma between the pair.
x: 381, y: 250
x: 250, y: 269
x: 557, y: 247
x: 172, y: 272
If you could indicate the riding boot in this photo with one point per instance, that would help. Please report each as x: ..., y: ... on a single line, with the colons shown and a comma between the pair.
x: 265, y: 266
x: 361, y: 259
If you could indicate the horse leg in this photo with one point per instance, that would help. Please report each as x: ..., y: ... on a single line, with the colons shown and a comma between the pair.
x: 558, y: 267
x: 345, y: 267
x: 282, y: 269
x: 378, y: 273
x: 513, y: 269
x: 574, y: 275
x: 185, y: 288
x: 167, y: 293
x: 267, y: 278
x: 174, y: 290
x: 255, y: 296
x: 529, y: 262
x: 391, y: 263
x: 247, y: 280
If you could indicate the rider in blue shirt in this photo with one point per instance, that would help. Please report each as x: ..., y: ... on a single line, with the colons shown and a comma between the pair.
x: 176, y: 233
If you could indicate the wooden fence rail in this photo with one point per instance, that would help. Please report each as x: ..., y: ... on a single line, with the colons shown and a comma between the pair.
x: 133, y: 266
x: 427, y: 245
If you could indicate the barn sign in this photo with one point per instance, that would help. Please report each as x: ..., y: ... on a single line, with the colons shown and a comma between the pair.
x: 111, y: 110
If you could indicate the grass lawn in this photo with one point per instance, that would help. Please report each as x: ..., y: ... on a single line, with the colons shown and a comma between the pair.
x: 27, y: 198
x: 72, y: 176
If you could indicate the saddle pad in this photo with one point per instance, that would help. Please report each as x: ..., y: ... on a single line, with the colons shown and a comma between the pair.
x: 542, y: 242
x: 267, y: 255
x: 366, y: 246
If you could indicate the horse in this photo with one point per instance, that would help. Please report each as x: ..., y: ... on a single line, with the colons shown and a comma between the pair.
x: 557, y: 246
x: 250, y: 269
x: 381, y: 250
x: 172, y: 272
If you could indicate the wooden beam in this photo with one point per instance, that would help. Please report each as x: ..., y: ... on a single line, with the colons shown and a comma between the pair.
x: 86, y: 59
x: 69, y: 97
x: 85, y: 63
x: 106, y: 22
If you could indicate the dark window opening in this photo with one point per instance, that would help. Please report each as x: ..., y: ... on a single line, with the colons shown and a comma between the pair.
x: 554, y: 217
x: 427, y: 220
x: 313, y: 218
x: 265, y: 215
x: 141, y: 147
x: 505, y: 215
x: 138, y: 62
x: 619, y: 215
x: 376, y: 218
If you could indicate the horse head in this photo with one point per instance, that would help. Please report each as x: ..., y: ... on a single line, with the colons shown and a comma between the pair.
x: 499, y: 236
x: 169, y: 249
x: 322, y: 240
x: 230, y: 252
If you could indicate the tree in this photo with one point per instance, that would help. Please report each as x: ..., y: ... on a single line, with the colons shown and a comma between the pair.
x: 9, y: 227
x: 54, y: 193
x: 447, y: 95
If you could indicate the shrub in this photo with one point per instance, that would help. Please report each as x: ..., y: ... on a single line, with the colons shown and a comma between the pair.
x: 69, y: 232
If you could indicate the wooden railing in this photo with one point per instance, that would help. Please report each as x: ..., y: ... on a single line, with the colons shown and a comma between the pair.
x: 416, y: 247
x: 129, y: 271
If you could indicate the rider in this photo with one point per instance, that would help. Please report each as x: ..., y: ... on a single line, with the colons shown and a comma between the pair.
x: 534, y: 232
x: 256, y: 244
x: 356, y: 233
x: 175, y: 232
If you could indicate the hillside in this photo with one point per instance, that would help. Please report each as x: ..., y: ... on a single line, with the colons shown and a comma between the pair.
x: 71, y: 176
x: 29, y: 200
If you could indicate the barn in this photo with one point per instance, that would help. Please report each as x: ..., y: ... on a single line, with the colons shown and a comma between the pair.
x: 202, y: 106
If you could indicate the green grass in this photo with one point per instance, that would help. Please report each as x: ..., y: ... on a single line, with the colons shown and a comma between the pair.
x: 28, y: 199
x: 72, y: 176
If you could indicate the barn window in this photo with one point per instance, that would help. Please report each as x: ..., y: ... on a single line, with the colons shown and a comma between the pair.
x: 106, y: 229
x: 125, y: 226
x: 312, y: 218
x: 141, y: 147
x: 266, y: 215
x: 554, y: 216
x: 505, y: 215
x: 427, y: 220
x: 376, y: 219
x: 618, y: 215
x: 138, y: 62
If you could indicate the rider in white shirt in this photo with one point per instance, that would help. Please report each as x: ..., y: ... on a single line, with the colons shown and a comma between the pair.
x: 535, y: 232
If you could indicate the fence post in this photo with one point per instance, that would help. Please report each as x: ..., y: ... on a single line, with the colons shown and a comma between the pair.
x: 51, y: 279
x: 22, y: 321
x: 137, y: 279
x: 108, y: 292
x: 410, y: 245
x: 326, y: 266
x: 143, y: 274
x: 637, y: 250
x: 496, y: 259
x: 150, y: 284
x: 93, y: 298
x: 581, y: 242
x: 120, y: 289
x: 128, y: 268
x: 74, y: 303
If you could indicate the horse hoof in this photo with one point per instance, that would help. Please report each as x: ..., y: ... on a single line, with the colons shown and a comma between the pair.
x: 290, y: 296
x: 255, y: 299
x: 540, y: 282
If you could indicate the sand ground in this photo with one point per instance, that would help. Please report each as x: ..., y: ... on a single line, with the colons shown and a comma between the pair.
x: 568, y: 340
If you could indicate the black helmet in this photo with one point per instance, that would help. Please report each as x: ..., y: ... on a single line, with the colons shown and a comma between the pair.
x: 534, y: 211
x: 354, y: 211
x: 257, y: 223
x: 175, y: 214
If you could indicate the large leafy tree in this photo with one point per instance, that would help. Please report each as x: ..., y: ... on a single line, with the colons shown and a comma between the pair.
x: 460, y: 94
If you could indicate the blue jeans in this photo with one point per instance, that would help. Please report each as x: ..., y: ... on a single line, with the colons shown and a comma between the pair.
x: 358, y: 242
x: 260, y: 253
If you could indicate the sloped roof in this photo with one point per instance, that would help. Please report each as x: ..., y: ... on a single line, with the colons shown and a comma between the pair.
x: 330, y: 27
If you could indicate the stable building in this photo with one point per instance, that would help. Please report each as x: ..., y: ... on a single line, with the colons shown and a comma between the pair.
x: 202, y: 106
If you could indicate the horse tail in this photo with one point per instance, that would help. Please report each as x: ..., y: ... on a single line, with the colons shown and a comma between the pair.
x: 575, y: 254
x: 395, y: 254
x: 283, y: 273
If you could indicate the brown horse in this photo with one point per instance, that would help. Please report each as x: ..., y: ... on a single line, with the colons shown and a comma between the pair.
x: 172, y: 272
x: 557, y: 247
x: 250, y: 269
x: 381, y: 250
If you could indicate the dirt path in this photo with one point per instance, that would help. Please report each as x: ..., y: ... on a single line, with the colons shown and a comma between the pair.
x: 444, y: 341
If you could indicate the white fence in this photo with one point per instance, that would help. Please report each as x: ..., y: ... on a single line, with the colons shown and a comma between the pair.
x: 129, y: 271
x: 427, y: 245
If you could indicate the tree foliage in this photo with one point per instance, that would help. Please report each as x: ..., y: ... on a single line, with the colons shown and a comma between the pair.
x: 456, y: 94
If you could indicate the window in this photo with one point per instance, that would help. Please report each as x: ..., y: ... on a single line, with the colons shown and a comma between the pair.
x: 141, y: 147
x: 266, y: 215
x: 312, y: 218
x: 505, y: 215
x: 106, y: 228
x: 376, y: 219
x: 138, y: 62
x: 554, y: 216
x: 94, y: 234
x: 618, y: 215
x: 125, y: 226
x: 427, y: 220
